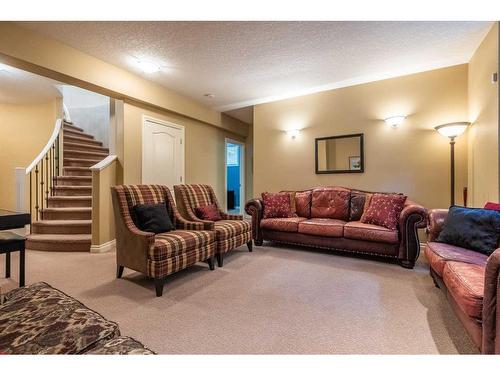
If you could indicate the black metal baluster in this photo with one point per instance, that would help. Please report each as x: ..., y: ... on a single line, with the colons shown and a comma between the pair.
x: 31, y: 199
x: 52, y: 156
x: 57, y: 158
x: 42, y: 183
x: 36, y: 191
x: 47, y: 183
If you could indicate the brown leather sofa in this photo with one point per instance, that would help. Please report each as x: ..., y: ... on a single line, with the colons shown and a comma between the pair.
x: 470, y: 281
x: 401, y: 245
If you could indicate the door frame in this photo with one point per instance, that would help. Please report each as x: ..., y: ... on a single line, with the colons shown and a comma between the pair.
x: 242, y: 172
x: 146, y: 118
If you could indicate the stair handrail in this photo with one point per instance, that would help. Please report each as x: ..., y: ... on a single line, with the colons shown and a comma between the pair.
x: 43, y: 172
x: 48, y: 146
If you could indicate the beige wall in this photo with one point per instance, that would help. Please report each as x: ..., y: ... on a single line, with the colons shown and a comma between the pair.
x: 204, y: 148
x: 483, y: 114
x: 24, y: 131
x: 413, y: 159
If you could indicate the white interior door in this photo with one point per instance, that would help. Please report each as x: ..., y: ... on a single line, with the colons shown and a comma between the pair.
x: 162, y: 153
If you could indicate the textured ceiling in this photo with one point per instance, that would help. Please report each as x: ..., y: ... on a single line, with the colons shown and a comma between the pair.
x: 20, y: 87
x: 245, y: 63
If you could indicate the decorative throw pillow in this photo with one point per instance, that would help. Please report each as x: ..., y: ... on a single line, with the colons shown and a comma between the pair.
x: 384, y: 210
x: 152, y: 217
x: 209, y: 212
x: 332, y: 203
x: 357, y: 206
x: 476, y: 229
x: 303, y: 204
x: 492, y: 206
x: 276, y: 205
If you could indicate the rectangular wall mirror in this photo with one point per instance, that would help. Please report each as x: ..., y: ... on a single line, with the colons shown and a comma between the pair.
x: 340, y: 154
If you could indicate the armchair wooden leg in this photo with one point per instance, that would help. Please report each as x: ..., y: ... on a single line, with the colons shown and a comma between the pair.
x: 159, y: 287
x: 250, y: 245
x: 211, y: 263
x: 7, y: 264
x: 119, y: 271
x: 220, y: 259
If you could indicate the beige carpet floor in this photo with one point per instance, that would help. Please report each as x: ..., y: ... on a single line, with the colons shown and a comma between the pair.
x: 275, y: 300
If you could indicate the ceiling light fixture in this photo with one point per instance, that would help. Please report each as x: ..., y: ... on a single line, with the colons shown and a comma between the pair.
x: 395, y: 121
x: 209, y: 95
x: 148, y: 66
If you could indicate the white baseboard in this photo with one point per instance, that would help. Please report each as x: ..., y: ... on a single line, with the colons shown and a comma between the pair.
x: 104, y: 248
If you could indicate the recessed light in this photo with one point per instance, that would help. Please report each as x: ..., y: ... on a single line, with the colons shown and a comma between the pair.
x: 148, y: 66
x: 210, y: 96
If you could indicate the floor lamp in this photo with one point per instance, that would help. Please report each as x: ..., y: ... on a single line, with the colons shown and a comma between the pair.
x: 452, y: 130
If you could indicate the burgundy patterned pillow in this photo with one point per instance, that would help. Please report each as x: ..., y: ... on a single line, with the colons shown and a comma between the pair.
x: 209, y: 212
x: 276, y: 205
x: 303, y: 204
x: 384, y: 210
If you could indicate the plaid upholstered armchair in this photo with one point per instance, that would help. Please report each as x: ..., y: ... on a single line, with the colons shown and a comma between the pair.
x: 230, y: 232
x: 157, y: 255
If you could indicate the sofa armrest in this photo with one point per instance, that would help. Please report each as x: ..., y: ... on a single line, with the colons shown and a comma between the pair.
x: 435, y: 223
x: 491, y: 305
x: 226, y: 216
x: 132, y: 244
x: 255, y: 209
x: 184, y: 224
x: 413, y: 217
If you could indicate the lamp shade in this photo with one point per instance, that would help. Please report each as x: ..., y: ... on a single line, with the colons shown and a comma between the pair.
x: 453, y: 129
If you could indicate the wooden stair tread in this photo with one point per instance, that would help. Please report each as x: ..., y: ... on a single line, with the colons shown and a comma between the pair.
x: 77, y: 133
x: 85, y: 146
x: 70, y: 138
x: 70, y: 197
x: 66, y: 209
x: 60, y: 237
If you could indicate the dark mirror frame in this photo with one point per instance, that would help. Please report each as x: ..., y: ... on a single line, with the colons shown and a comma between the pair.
x: 361, y: 153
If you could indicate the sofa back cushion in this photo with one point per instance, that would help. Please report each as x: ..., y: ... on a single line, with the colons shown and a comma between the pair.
x: 332, y: 203
x: 276, y: 205
x: 303, y: 203
x: 357, y: 206
x: 384, y: 210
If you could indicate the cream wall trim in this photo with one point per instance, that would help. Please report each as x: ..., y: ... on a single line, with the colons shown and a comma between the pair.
x: 33, y: 52
x: 103, y: 163
x: 104, y: 248
x: 170, y: 124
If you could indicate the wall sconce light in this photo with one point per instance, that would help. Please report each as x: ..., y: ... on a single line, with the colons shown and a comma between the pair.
x: 395, y: 121
x: 294, y: 133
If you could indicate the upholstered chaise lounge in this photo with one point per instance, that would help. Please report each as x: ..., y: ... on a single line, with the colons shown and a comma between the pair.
x: 230, y: 232
x: 317, y: 223
x: 471, y: 282
x: 162, y: 254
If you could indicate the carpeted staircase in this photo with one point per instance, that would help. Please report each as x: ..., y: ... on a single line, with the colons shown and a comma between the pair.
x: 65, y: 223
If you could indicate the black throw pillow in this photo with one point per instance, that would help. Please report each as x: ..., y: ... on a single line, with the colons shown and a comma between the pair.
x: 152, y: 217
x: 472, y: 228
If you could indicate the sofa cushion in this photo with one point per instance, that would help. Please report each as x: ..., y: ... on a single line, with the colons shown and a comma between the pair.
x: 369, y: 232
x: 438, y: 254
x: 39, y: 319
x: 289, y: 224
x: 322, y: 227
x: 170, y: 244
x: 331, y: 203
x: 357, y: 206
x: 384, y: 210
x: 476, y: 229
x: 120, y: 345
x: 303, y: 203
x: 226, y: 229
x: 465, y: 283
x: 276, y: 205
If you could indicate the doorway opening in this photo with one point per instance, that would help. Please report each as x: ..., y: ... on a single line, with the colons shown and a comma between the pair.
x: 235, y: 173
